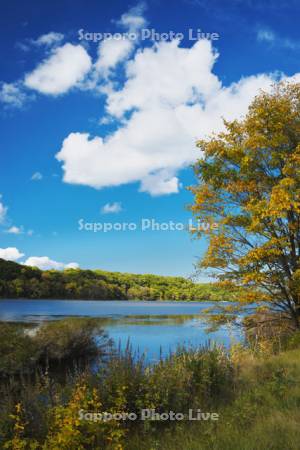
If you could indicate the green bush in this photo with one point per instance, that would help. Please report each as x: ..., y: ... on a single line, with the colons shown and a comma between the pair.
x: 18, y: 351
x: 67, y: 342
x: 73, y: 339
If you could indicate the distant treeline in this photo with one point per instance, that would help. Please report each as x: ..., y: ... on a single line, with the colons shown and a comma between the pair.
x: 18, y: 281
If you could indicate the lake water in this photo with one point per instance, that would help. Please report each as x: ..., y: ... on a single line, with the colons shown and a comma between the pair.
x: 153, y: 328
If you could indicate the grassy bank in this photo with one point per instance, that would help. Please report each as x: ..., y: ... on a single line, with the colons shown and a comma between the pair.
x: 48, y: 377
x: 264, y: 412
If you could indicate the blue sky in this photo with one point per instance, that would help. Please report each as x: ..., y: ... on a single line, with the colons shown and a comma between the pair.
x: 104, y: 131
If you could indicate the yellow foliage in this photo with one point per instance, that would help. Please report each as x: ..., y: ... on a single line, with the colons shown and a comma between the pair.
x: 19, y: 442
x: 68, y: 431
x: 249, y: 182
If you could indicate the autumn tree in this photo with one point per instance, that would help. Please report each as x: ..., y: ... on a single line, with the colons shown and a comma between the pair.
x: 249, y: 182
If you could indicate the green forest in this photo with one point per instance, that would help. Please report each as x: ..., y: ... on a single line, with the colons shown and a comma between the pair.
x: 19, y: 281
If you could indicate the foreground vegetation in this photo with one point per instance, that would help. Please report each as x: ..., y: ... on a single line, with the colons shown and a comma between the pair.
x: 255, y: 390
x: 18, y: 281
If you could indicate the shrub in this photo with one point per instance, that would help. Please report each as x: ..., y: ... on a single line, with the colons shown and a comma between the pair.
x: 18, y: 352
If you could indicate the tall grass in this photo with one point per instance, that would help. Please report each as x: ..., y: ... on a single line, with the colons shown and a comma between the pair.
x: 257, y: 396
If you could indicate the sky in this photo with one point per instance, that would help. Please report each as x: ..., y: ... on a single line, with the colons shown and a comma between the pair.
x: 101, y: 104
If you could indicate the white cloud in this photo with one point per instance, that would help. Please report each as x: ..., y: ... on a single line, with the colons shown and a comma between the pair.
x: 10, y: 254
x: 3, y: 212
x: 271, y: 38
x: 265, y: 35
x: 110, y: 53
x: 160, y: 183
x: 24, y: 46
x: 45, y: 263
x: 143, y: 147
x: 170, y: 98
x: 134, y: 20
x: 42, y: 262
x: 113, y: 51
x: 5, y: 222
x: 48, y: 39
x: 18, y: 230
x: 64, y: 69
x: 72, y: 265
x: 15, y: 230
x: 12, y: 94
x: 37, y: 176
x: 111, y: 208
x: 166, y: 75
x: 70, y: 65
x: 43, y: 78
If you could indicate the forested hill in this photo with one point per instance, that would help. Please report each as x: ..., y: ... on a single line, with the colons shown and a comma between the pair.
x: 18, y: 281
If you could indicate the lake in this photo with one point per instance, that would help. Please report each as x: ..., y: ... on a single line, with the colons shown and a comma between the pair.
x: 154, y: 328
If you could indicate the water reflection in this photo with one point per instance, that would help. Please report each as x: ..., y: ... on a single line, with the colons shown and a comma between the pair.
x: 153, y: 328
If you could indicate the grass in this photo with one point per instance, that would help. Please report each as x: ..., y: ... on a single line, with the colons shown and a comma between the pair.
x: 264, y: 414
x: 256, y: 394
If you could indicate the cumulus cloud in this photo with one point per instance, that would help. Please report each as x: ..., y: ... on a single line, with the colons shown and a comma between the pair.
x: 15, y: 230
x: 72, y: 265
x: 13, y: 95
x: 36, y: 176
x: 166, y: 74
x: 42, y: 262
x: 10, y: 254
x: 68, y: 66
x: 160, y: 183
x: 264, y: 35
x: 170, y: 98
x: 6, y: 223
x: 268, y: 36
x: 110, y: 53
x: 166, y: 97
x: 111, y: 208
x: 45, y: 263
x: 3, y: 211
x: 133, y: 20
x: 64, y: 69
x: 48, y: 39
